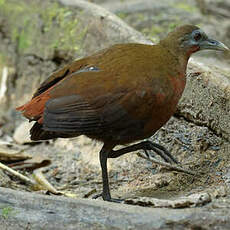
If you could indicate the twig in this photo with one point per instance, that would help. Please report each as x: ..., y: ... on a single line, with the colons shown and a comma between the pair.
x: 39, y: 183
x: 41, y: 180
x: 174, y: 167
x: 17, y: 174
x: 45, y: 184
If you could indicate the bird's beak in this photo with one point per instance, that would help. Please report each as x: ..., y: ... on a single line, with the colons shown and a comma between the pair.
x: 211, y: 44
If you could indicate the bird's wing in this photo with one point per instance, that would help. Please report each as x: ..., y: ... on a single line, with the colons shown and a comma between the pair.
x: 74, y: 114
x: 105, y: 57
x: 53, y: 79
x: 59, y: 75
x: 96, y: 101
x: 77, y: 65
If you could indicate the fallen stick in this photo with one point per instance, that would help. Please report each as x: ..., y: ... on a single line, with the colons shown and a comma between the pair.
x: 17, y: 174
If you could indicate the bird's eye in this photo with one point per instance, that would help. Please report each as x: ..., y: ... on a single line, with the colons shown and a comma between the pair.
x: 197, y: 36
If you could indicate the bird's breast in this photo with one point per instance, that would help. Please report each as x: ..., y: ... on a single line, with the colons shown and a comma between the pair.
x: 164, y: 103
x: 178, y: 85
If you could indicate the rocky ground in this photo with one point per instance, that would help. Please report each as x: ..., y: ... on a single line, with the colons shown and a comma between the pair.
x: 41, y: 36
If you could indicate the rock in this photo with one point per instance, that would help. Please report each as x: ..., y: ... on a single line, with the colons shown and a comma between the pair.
x: 193, y: 200
x: 23, y: 210
x: 206, y: 99
x: 4, y: 179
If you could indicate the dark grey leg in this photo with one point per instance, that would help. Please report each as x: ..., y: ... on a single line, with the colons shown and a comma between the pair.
x: 106, y: 191
x: 103, y: 161
x: 145, y: 145
x: 107, y: 152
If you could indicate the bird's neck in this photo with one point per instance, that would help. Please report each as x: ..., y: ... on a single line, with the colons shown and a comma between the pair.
x: 179, y: 54
x: 183, y: 60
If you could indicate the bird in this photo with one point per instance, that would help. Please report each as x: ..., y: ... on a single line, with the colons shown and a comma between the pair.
x: 119, y: 95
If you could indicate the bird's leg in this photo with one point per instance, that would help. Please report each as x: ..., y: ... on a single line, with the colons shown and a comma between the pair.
x: 103, y: 161
x: 107, y: 152
x: 145, y: 145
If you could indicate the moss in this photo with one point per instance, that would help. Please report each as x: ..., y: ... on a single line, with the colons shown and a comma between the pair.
x: 141, y: 17
x: 2, y: 2
x: 122, y: 15
x: 2, y: 60
x: 22, y: 35
x: 153, y: 32
x: 7, y: 211
x: 64, y: 20
x: 173, y: 25
x: 156, y: 32
x: 58, y: 17
x: 185, y: 6
x: 41, y: 27
x: 20, y: 23
x: 62, y: 23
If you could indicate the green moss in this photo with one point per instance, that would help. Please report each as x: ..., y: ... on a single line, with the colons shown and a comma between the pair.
x: 12, y: 7
x: 153, y: 32
x: 172, y: 25
x: 7, y: 211
x: 2, y: 2
x: 62, y: 19
x: 2, y: 60
x: 185, y: 6
x: 20, y: 23
x: 22, y: 35
x: 141, y: 17
x: 122, y: 15
x: 156, y: 32
x: 42, y: 28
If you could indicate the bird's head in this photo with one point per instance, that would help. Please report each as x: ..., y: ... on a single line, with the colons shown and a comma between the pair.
x: 189, y: 39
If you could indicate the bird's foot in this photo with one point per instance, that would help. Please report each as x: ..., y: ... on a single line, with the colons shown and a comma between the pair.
x: 97, y: 195
x: 115, y: 200
x: 161, y: 151
x: 109, y: 199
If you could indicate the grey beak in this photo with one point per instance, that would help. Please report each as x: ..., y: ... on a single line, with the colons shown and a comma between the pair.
x: 211, y: 44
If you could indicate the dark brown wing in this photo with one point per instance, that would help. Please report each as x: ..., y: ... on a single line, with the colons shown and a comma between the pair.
x: 54, y: 78
x: 104, y: 57
x: 75, y: 115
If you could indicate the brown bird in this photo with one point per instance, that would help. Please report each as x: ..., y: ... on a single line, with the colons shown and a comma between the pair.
x: 118, y: 95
